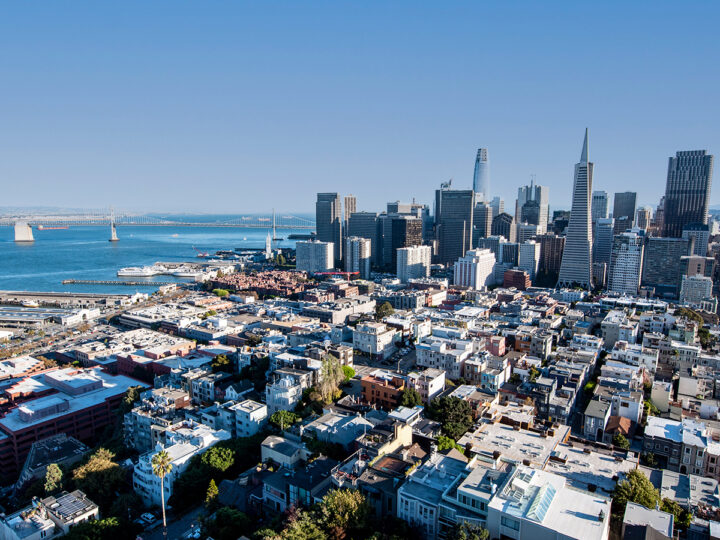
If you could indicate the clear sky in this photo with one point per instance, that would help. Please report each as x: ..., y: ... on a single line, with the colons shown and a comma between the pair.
x: 238, y: 107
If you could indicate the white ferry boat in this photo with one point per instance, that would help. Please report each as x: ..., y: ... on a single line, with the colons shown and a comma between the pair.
x: 137, y: 271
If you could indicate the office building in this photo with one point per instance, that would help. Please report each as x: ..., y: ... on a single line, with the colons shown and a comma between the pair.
x: 407, y: 231
x: 365, y: 225
x: 482, y: 222
x: 604, y: 236
x: 529, y: 257
x: 643, y: 218
x: 313, y: 256
x: 503, y: 225
x: 624, y: 207
x: 599, y: 205
x: 358, y: 253
x: 497, y: 205
x: 600, y: 274
x: 328, y: 215
x: 533, y: 205
x: 517, y: 279
x: 349, y: 207
x: 475, y: 269
x: 509, y: 253
x: 454, y: 211
x: 662, y: 266
x: 413, y: 262
x: 698, y: 236
x: 696, y: 290
x: 576, y: 266
x: 626, y: 263
x: 692, y: 265
x: 551, y: 250
x: 525, y: 232
x: 481, y: 176
x: 687, y: 191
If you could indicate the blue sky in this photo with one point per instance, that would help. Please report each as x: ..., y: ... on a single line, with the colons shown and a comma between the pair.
x: 239, y: 107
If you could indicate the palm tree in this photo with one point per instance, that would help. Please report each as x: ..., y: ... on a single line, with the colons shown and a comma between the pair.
x: 162, y: 465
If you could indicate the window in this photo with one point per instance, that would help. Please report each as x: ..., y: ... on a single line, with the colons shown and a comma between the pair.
x: 510, y: 523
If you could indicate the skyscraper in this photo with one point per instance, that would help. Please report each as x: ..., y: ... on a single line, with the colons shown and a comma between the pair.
x: 328, y: 221
x: 413, y: 262
x: 533, y: 205
x: 551, y: 250
x: 626, y: 263
x: 687, y: 191
x: 482, y: 222
x: 365, y: 225
x: 529, y: 257
x: 357, y: 255
x: 349, y: 207
x: 604, y: 236
x: 624, y: 207
x: 576, y: 266
x: 481, y: 177
x: 663, y: 263
x: 504, y: 225
x: 643, y: 217
x: 497, y: 205
x: 406, y: 232
x: 454, y: 209
x: 599, y: 205
x: 699, y: 236
x: 475, y: 269
x: 313, y: 256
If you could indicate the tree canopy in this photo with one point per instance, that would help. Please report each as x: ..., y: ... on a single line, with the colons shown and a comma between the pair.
x: 454, y: 414
x: 100, y: 477
x: 283, y: 419
x: 383, y: 310
x: 53, y: 478
x: 410, y: 398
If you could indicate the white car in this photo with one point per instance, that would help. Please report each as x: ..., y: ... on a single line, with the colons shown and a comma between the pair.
x: 149, y: 518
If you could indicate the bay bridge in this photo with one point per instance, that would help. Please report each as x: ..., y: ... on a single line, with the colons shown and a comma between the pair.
x: 250, y: 221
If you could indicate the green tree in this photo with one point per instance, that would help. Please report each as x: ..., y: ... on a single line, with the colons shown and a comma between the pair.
x: 635, y: 488
x: 211, y: 493
x: 53, y: 478
x: 281, y: 259
x: 100, y: 529
x: 383, y: 310
x: 649, y: 459
x: 534, y: 373
x: 100, y: 477
x: 446, y: 443
x: 349, y: 373
x: 410, y: 398
x: 621, y: 441
x: 454, y: 414
x: 683, y: 517
x: 226, y: 524
x: 162, y: 466
x: 218, y: 458
x: 221, y: 363
x: 132, y: 395
x: 283, y: 419
x: 221, y: 293
x: 342, y: 511
x: 468, y: 531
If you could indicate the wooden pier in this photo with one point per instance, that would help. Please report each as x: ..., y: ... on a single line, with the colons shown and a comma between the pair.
x: 118, y: 282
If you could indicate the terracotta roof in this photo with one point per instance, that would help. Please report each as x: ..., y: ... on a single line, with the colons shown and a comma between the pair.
x: 618, y: 424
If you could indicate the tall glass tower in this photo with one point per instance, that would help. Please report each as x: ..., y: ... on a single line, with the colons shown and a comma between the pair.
x: 687, y: 191
x: 576, y: 266
x: 481, y: 178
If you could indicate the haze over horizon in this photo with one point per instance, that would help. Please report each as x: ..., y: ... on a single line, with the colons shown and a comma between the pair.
x: 217, y: 108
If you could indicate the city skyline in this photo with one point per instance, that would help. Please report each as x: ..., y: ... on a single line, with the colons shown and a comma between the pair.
x: 126, y: 125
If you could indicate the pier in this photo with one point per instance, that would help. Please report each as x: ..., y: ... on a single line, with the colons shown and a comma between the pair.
x: 118, y: 282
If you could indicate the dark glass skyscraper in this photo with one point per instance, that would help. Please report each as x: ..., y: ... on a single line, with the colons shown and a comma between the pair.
x: 328, y: 221
x: 624, y: 207
x: 454, y: 209
x: 687, y: 191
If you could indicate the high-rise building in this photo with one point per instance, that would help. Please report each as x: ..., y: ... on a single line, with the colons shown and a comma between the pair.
x: 509, y: 253
x: 626, y: 262
x: 504, y: 225
x: 529, y: 257
x: 349, y: 207
x: 497, y: 205
x: 413, y: 262
x: 454, y: 209
x: 692, y: 265
x: 687, y: 192
x: 576, y: 267
x: 624, y: 207
x: 358, y: 252
x: 533, y: 205
x: 525, y: 231
x: 662, y: 266
x: 604, y: 236
x: 482, y: 222
x: 659, y: 219
x: 314, y: 256
x: 599, y: 205
x: 481, y: 176
x: 696, y: 291
x: 494, y: 244
x: 643, y: 217
x: 328, y: 214
x: 365, y: 225
x: 406, y: 232
x: 551, y: 251
x: 475, y: 269
x: 698, y: 234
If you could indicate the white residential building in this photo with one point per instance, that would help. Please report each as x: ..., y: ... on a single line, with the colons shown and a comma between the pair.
x: 636, y: 355
x: 695, y: 289
x: 448, y: 355
x: 312, y: 256
x: 358, y: 252
x: 617, y: 327
x: 250, y: 416
x: 475, y: 269
x: 429, y: 383
x: 282, y: 395
x: 375, y: 339
x: 182, y: 445
x: 626, y: 263
x: 413, y: 262
x: 529, y: 257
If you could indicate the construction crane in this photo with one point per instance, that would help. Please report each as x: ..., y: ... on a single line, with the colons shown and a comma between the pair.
x: 336, y: 273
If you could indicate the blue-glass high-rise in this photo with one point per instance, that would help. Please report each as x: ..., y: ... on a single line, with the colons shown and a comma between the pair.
x: 481, y: 178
